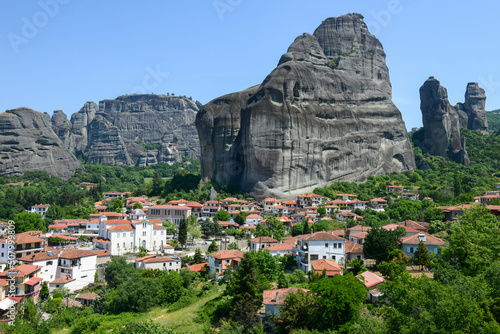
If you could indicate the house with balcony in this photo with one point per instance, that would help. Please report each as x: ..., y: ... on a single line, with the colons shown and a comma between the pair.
x: 196, y: 209
x: 259, y: 243
x: 27, y: 281
x: 121, y: 236
x: 41, y: 209
x: 80, y: 265
x: 309, y: 200
x: 357, y: 204
x: 210, y: 209
x: 158, y: 262
x: 269, y: 203
x: 346, y: 197
x: 48, y: 261
x: 319, y: 245
x: 410, y: 196
x: 396, y: 189
x: 24, y: 244
x: 220, y: 261
x: 173, y: 213
x: 344, y: 216
x: 253, y: 219
x: 115, y: 194
x: 378, y: 204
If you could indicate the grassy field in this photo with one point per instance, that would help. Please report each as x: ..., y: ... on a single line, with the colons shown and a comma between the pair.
x: 181, y: 321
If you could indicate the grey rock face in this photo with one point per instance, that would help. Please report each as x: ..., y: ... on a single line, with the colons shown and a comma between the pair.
x: 147, y: 159
x: 134, y: 121
x: 62, y: 127
x: 28, y: 143
x: 324, y: 114
x: 441, y: 123
x: 475, y: 107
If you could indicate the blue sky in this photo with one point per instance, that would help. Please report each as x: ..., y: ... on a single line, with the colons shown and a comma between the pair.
x: 58, y: 54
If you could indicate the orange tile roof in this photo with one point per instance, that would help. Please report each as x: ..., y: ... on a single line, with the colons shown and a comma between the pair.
x: 26, y: 238
x: 87, y: 296
x: 101, y: 252
x: 269, y: 296
x: 39, y: 257
x: 197, y: 267
x: 23, y: 269
x: 264, y: 239
x: 331, y: 267
x: 62, y: 280
x: 158, y: 260
x: 158, y: 227
x: 370, y: 279
x: 279, y: 247
x: 139, y: 259
x: 227, y: 254
x: 254, y: 216
x: 353, y: 247
x: 292, y: 241
x: 75, y: 253
x: 429, y: 240
x: 121, y: 227
x: 319, y: 236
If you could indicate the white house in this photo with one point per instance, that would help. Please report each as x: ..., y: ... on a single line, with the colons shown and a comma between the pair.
x: 219, y: 261
x: 253, y: 219
x: 121, y: 236
x: 162, y: 263
x: 280, y: 249
x: 378, y: 204
x: 276, y: 297
x: 80, y: 265
x: 137, y: 214
x: 259, y: 243
x: 319, y: 245
x: 49, y: 262
x: 39, y: 208
x: 24, y: 244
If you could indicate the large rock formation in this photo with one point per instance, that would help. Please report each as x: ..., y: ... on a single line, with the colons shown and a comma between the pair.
x: 132, y: 128
x: 27, y: 143
x: 441, y: 123
x: 324, y: 114
x: 475, y: 107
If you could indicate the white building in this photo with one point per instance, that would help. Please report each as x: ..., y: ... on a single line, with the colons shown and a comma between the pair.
x: 259, y: 243
x: 253, y: 219
x: 319, y: 245
x: 162, y: 263
x: 122, y: 236
x: 39, y: 208
x: 80, y: 265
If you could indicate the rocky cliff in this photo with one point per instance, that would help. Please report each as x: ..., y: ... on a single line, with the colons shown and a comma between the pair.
x: 27, y: 143
x: 442, y: 123
x: 324, y: 114
x: 131, y: 129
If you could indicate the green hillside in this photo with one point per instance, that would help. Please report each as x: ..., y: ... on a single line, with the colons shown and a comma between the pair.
x: 493, y: 120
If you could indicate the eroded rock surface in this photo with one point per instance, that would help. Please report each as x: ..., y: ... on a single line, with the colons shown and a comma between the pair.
x: 324, y: 114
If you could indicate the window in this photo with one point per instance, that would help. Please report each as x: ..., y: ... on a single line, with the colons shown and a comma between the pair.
x: 123, y: 245
x: 144, y: 233
x: 118, y: 244
x: 411, y: 249
x: 333, y: 258
x: 144, y: 225
x: 324, y: 256
x: 154, y: 233
x: 49, y: 263
x: 3, y: 245
x: 2, y: 254
x: 170, y: 264
x: 118, y: 235
x: 326, y: 245
x: 334, y: 245
x: 131, y: 245
x: 83, y: 276
x: 164, y: 264
x: 124, y: 234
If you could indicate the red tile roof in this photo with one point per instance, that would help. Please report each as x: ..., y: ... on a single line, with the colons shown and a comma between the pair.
x: 269, y: 296
x: 121, y: 227
x: 414, y: 239
x: 23, y: 269
x: 227, y: 254
x: 101, y: 252
x: 279, y: 247
x: 370, y: 279
x: 39, y: 257
x: 87, y: 296
x: 62, y: 280
x: 197, y: 267
x: 353, y: 247
x: 264, y: 240
x: 158, y: 260
x: 320, y: 236
x: 331, y: 267
x: 75, y: 253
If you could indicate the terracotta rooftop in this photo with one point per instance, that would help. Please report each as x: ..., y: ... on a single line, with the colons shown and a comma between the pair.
x: 197, y: 267
x: 279, y: 247
x: 414, y: 239
x: 87, y: 296
x: 227, y: 254
x: 264, y: 239
x: 158, y: 260
x: 331, y: 267
x: 62, y: 280
x: 22, y: 270
x: 101, y: 252
x: 75, y: 253
x: 39, y: 257
x: 269, y: 296
x: 353, y: 247
x: 370, y: 279
x: 320, y: 236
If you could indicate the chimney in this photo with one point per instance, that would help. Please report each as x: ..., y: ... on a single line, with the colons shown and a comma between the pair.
x: 277, y: 297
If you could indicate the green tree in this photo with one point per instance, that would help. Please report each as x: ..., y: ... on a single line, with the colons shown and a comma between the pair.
x: 183, y: 230
x: 157, y: 184
x: 222, y: 216
x: 116, y: 205
x: 198, y: 258
x: 357, y: 266
x: 148, y: 327
x: 134, y: 295
x: 29, y: 222
x: 173, y: 287
x: 209, y: 227
x: 295, y: 313
x: 276, y: 228
x: 240, y: 218
x: 379, y: 243
x: 321, y: 211
x: 54, y: 212
x: 137, y: 205
x: 171, y: 228
x: 421, y: 256
x: 118, y: 271
x: 44, y: 292
x: 337, y: 301
x: 213, y: 247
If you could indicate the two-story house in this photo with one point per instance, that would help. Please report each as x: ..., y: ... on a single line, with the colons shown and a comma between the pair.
x: 25, y: 244
x: 210, y: 209
x: 173, y: 213
x: 220, y: 261
x: 259, y: 243
x: 319, y: 245
x: 378, y: 204
x: 27, y: 281
x: 41, y: 209
x: 79, y: 264
x: 410, y: 243
x: 158, y: 262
